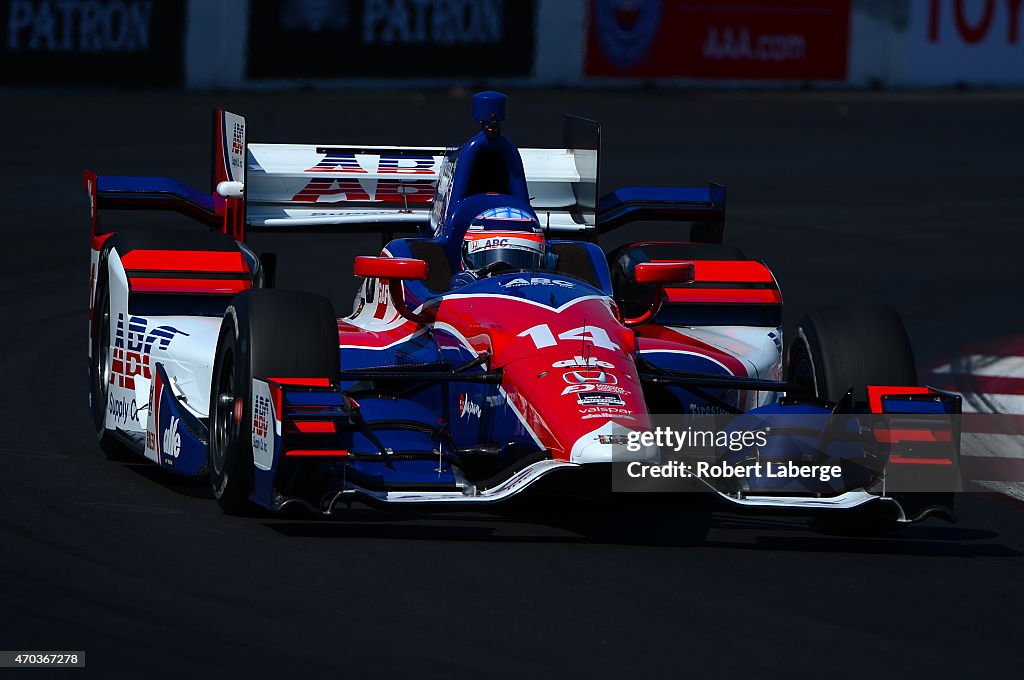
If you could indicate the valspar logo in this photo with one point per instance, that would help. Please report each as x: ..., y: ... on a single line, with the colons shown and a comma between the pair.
x: 90, y: 26
x: 172, y: 439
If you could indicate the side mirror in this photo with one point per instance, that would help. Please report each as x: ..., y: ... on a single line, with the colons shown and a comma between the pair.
x: 395, y: 270
x: 659, y: 274
x: 391, y: 268
x: 664, y: 272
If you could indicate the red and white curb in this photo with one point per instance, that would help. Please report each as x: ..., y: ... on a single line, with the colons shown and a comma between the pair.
x: 990, y: 377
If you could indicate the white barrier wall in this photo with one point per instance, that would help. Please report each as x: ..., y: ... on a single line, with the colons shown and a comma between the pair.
x: 889, y: 43
x: 215, y: 45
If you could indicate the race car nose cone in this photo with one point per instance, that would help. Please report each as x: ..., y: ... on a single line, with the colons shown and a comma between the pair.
x: 612, y: 443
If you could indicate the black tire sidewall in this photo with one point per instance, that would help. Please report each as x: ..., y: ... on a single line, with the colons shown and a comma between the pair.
x: 853, y: 347
x: 269, y: 333
x: 232, y: 482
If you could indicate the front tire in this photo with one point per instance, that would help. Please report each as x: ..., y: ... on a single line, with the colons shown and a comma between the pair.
x: 265, y: 334
x: 839, y: 348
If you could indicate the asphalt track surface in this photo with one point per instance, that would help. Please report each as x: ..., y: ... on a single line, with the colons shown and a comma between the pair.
x: 913, y: 200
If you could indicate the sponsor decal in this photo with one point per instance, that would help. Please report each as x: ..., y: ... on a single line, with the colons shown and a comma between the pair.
x: 583, y: 362
x: 385, y: 191
x: 626, y: 29
x: 236, y: 157
x: 706, y: 410
x: 264, y: 425
x: 388, y: 164
x: 153, y: 421
x: 538, y: 281
x: 604, y: 409
x: 260, y: 422
x: 487, y: 244
x: 584, y: 377
x: 91, y: 41
x: 592, y: 387
x: 785, y: 40
x: 600, y: 399
x: 391, y: 38
x: 467, y: 407
x: 621, y: 416
x: 601, y: 411
x: 133, y: 347
x: 171, y: 444
x: 122, y: 410
x: 315, y: 15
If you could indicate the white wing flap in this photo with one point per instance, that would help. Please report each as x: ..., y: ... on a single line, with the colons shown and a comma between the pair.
x: 308, y: 185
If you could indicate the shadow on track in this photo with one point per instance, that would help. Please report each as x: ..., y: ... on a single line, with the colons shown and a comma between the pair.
x: 545, y: 520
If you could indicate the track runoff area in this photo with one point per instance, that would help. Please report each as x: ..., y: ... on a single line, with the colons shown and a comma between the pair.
x: 990, y: 376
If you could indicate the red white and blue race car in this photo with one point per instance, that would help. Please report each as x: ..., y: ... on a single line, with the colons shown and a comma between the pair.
x: 497, y: 347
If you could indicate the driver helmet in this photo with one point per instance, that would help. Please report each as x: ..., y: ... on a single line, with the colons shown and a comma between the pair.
x: 508, y: 235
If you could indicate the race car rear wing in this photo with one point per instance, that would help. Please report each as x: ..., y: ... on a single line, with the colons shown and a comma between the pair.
x: 291, y: 186
x: 347, y: 188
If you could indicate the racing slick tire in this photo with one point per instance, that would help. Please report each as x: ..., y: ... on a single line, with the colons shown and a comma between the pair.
x: 839, y: 348
x: 265, y: 334
x: 100, y: 365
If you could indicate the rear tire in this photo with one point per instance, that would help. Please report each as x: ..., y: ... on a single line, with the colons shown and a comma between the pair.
x: 839, y: 348
x: 265, y: 334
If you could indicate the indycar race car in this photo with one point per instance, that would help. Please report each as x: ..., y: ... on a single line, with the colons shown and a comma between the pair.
x: 495, y: 347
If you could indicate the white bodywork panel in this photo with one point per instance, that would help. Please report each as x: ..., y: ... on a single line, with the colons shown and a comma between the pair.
x: 759, y: 348
x: 184, y: 345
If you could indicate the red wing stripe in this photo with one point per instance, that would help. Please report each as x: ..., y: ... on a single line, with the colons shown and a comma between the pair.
x: 876, y: 392
x: 303, y: 382
x: 315, y: 426
x: 750, y: 296
x: 185, y: 261
x: 894, y: 436
x: 315, y: 453
x: 707, y: 271
x: 901, y: 460
x: 213, y: 286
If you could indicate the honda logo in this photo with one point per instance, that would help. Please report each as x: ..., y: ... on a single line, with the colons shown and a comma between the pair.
x: 589, y: 377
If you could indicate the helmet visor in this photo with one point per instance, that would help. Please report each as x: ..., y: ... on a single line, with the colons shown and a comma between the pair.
x: 513, y: 257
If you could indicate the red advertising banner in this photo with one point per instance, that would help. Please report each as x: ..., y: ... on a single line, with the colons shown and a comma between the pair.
x: 742, y: 39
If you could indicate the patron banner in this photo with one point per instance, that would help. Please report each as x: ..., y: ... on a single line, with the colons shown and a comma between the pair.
x: 746, y: 39
x: 106, y: 42
x: 391, y: 38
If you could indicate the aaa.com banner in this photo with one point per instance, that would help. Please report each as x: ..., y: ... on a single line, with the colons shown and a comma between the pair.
x: 743, y: 39
x: 110, y: 42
